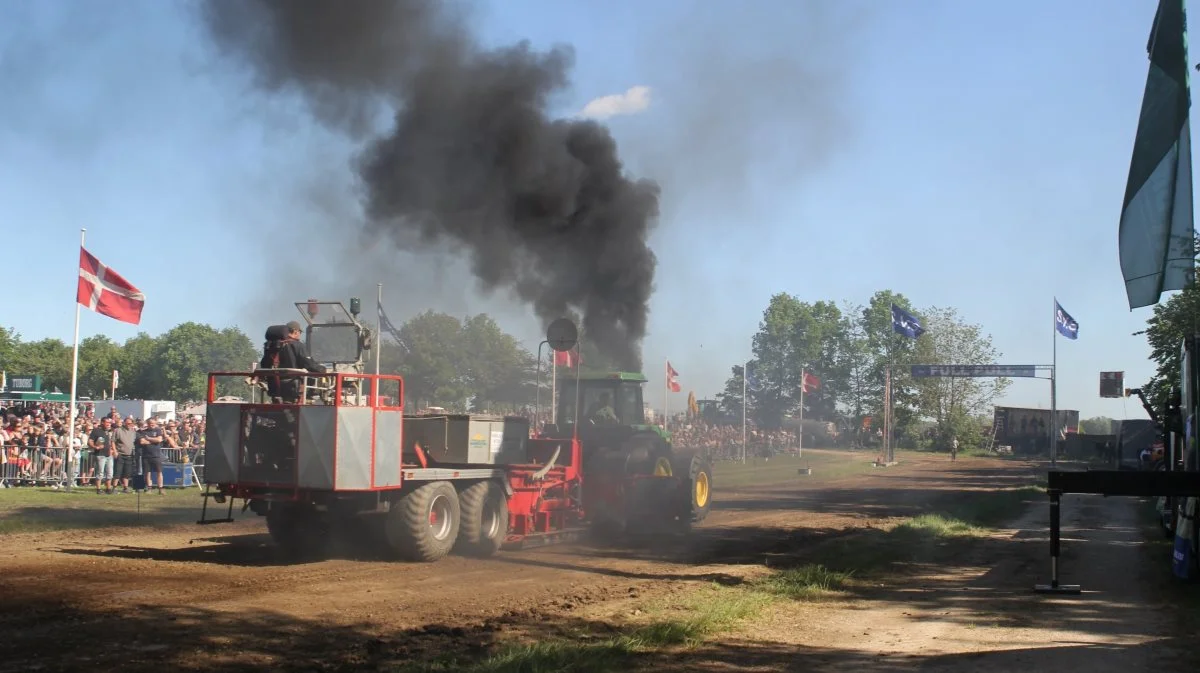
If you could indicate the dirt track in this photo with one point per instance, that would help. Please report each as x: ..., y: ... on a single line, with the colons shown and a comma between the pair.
x: 220, y: 598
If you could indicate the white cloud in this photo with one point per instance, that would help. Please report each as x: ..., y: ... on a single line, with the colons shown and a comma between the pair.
x: 634, y: 100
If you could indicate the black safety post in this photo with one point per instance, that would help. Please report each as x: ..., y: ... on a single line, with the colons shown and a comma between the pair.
x: 1054, y: 587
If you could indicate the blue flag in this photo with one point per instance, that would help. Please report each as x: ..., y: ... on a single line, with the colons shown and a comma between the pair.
x: 906, y: 323
x: 1064, y: 323
x: 1156, y: 232
x: 388, y: 327
x: 752, y: 382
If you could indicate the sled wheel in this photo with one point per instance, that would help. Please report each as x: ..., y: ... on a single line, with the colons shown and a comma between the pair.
x: 423, y: 524
x: 484, y: 519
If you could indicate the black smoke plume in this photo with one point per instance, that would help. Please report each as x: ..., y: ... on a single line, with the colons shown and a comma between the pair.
x: 540, y: 206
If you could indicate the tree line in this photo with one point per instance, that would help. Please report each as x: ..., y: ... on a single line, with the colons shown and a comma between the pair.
x: 171, y: 366
x: 472, y: 364
x: 460, y: 364
x: 849, y: 348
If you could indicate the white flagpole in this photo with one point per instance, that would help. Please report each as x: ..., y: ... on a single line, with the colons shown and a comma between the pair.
x: 1053, y: 392
x: 745, y: 373
x: 800, y: 439
x: 553, y: 387
x: 888, y: 454
x: 70, y: 472
x: 666, y: 385
x: 378, y: 329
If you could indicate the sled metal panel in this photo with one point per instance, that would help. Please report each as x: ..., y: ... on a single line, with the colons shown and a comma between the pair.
x: 514, y: 433
x: 388, y: 429
x: 315, y: 447
x: 354, y: 448
x: 474, y: 439
x: 221, y: 443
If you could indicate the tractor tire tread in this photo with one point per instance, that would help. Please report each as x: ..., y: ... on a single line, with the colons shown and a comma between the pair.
x: 472, y: 502
x: 699, y: 464
x: 414, y: 541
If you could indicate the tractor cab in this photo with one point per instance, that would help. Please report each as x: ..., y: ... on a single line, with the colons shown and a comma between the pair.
x: 609, y: 404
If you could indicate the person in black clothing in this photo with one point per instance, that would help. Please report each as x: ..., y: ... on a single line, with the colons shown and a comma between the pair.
x: 284, y: 350
x: 151, y: 441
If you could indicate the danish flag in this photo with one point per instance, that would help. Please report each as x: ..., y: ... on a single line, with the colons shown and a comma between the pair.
x: 811, y: 382
x: 104, y: 291
x: 672, y: 378
x: 567, y: 358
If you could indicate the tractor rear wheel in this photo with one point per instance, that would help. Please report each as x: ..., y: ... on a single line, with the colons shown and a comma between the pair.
x: 299, y: 531
x: 423, y: 524
x: 484, y: 519
x: 695, y: 471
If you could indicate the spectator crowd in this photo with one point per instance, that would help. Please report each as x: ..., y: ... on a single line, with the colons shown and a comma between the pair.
x: 724, y: 442
x: 107, y: 452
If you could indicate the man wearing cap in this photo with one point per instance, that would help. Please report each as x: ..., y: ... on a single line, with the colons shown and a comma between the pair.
x: 288, y: 352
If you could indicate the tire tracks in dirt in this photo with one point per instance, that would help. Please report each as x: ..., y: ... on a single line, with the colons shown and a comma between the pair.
x: 206, y: 595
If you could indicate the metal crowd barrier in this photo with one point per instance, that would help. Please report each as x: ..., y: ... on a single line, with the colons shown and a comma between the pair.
x: 33, y: 466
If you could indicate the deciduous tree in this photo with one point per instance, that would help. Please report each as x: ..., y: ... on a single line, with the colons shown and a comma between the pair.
x: 1099, y: 425
x: 954, y: 403
x: 1172, y: 322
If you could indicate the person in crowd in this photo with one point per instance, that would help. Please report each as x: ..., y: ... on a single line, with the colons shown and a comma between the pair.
x: 100, y: 442
x: 151, y: 441
x: 124, y: 445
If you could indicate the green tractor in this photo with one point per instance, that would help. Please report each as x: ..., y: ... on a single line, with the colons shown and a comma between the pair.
x: 635, y: 482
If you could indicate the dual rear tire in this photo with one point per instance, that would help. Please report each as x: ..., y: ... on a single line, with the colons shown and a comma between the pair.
x: 484, y: 519
x: 429, y: 522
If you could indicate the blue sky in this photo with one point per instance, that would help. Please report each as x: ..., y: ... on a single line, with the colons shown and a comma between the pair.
x: 966, y: 154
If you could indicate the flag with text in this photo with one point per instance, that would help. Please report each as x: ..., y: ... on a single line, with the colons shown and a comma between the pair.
x: 906, y: 323
x: 1064, y: 323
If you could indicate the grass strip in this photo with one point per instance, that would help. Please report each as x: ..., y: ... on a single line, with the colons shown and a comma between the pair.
x: 42, y: 509
x: 712, y: 610
x: 717, y: 609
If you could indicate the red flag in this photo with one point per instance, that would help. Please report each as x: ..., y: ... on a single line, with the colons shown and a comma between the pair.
x: 567, y: 358
x: 672, y: 376
x: 104, y: 291
x: 811, y: 382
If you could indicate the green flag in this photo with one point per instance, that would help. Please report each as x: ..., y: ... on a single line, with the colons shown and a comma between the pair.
x: 1156, y: 234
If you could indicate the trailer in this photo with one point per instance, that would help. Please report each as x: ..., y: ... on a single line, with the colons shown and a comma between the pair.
x: 427, y: 484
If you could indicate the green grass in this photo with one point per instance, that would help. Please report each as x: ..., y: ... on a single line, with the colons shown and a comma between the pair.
x: 763, y: 471
x: 992, y: 508
x: 931, y: 537
x: 34, y: 510
x: 806, y: 582
x: 709, y: 612
x: 716, y: 609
